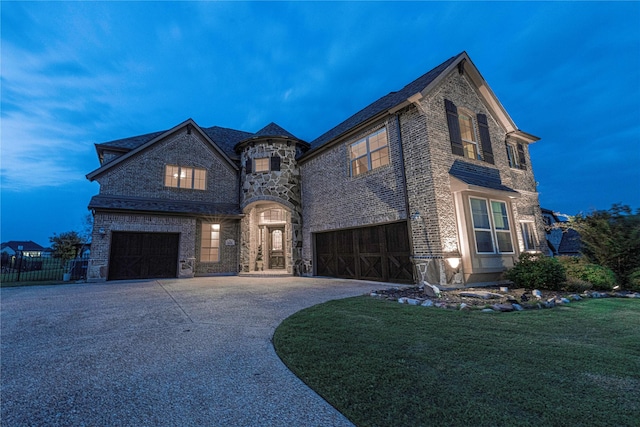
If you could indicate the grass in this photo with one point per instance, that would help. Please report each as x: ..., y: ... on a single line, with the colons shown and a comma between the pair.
x: 385, y: 364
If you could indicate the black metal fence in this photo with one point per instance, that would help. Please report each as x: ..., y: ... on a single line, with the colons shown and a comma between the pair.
x: 19, y: 268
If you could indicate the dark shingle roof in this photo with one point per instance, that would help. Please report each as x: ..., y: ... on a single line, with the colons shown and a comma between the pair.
x: 273, y: 129
x: 387, y: 102
x: 479, y: 176
x: 571, y: 244
x: 141, y: 204
x: 224, y: 138
x: 27, y: 245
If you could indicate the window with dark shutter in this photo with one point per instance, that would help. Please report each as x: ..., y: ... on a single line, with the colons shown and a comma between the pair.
x: 247, y: 165
x: 275, y: 163
x: 485, y: 139
x: 521, y: 157
x: 454, y: 128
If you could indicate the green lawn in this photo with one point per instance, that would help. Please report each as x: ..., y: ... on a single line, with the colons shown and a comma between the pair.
x: 385, y: 364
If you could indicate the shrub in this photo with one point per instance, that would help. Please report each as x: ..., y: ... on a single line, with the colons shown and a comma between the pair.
x: 537, y: 271
x: 633, y: 282
x: 601, y: 278
x: 577, y: 285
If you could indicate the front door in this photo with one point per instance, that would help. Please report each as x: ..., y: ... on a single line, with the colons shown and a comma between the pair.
x: 276, y: 248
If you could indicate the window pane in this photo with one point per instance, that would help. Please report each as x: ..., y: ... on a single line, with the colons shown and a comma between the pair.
x: 358, y: 149
x: 380, y: 158
x: 276, y: 240
x: 378, y: 140
x: 466, y: 127
x: 511, y: 155
x: 480, y: 214
x: 262, y: 164
x: 527, y: 236
x: 199, y: 178
x: 171, y: 174
x: 484, y: 242
x: 470, y: 150
x: 359, y: 166
x: 504, y: 241
x: 500, y: 218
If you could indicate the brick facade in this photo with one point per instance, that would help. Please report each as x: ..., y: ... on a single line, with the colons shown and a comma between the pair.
x: 424, y: 184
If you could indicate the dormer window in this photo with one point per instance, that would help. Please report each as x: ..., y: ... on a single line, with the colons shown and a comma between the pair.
x: 185, y: 177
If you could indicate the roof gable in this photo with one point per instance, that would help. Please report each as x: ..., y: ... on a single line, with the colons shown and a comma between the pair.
x: 143, y: 142
x: 27, y: 245
x: 417, y: 89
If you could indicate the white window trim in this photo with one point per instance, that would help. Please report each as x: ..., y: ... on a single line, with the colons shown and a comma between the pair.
x: 493, y: 230
x: 512, y: 156
x: 369, y: 152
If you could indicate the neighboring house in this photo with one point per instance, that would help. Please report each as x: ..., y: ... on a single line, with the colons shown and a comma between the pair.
x: 561, y: 240
x: 432, y: 182
x: 28, y: 248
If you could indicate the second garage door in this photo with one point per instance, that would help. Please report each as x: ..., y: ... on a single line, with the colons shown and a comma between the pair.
x: 143, y: 255
x: 381, y: 253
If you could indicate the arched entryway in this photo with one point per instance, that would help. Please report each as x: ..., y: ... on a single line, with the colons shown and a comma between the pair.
x: 267, y: 238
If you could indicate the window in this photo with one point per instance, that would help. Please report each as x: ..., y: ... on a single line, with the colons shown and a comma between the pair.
x: 261, y: 164
x: 185, y: 177
x: 369, y: 153
x: 274, y: 215
x: 468, y: 134
x: 516, y: 156
x: 491, y: 226
x: 210, y: 243
x: 528, y: 236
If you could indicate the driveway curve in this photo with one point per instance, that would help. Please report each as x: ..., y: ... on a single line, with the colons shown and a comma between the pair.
x: 183, y: 352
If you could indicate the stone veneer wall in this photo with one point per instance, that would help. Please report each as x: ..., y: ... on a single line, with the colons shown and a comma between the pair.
x: 281, y: 187
x: 98, y: 269
x: 333, y: 199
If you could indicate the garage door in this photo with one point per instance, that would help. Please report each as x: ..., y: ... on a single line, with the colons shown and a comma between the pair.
x: 143, y: 255
x: 380, y: 253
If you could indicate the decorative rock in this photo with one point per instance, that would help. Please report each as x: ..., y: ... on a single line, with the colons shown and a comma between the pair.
x: 488, y: 310
x: 565, y: 300
x: 430, y: 290
x: 482, y: 295
x: 550, y: 303
x: 536, y: 293
x: 412, y: 301
x: 517, y: 306
x: 502, y: 307
x: 403, y: 300
x: 575, y: 297
x: 595, y: 294
x: 464, y: 306
x: 427, y: 303
x: 373, y: 294
x: 635, y: 295
x: 504, y: 289
x: 441, y: 305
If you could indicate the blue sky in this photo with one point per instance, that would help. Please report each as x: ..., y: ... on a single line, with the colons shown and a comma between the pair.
x: 79, y: 73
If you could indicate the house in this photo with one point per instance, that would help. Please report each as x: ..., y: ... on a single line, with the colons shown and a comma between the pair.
x: 561, y: 240
x: 27, y: 248
x: 431, y: 183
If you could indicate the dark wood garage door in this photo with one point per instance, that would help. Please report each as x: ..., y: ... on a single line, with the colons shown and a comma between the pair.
x: 379, y: 252
x: 143, y: 255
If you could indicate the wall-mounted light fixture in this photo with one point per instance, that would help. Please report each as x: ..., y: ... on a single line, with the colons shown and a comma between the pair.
x: 454, y: 262
x: 102, y: 232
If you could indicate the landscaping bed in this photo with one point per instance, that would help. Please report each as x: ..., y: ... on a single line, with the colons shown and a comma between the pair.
x: 490, y: 299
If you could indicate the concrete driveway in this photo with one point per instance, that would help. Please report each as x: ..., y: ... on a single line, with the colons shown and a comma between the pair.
x: 164, y: 352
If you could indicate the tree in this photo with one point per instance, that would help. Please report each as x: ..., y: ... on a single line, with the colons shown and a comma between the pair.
x: 66, y: 245
x: 611, y: 238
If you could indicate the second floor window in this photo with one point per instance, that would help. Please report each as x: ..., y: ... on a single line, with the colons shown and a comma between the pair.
x: 468, y: 134
x: 369, y: 152
x: 185, y: 177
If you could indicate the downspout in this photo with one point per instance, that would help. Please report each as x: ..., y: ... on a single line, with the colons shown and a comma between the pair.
x: 405, y: 189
